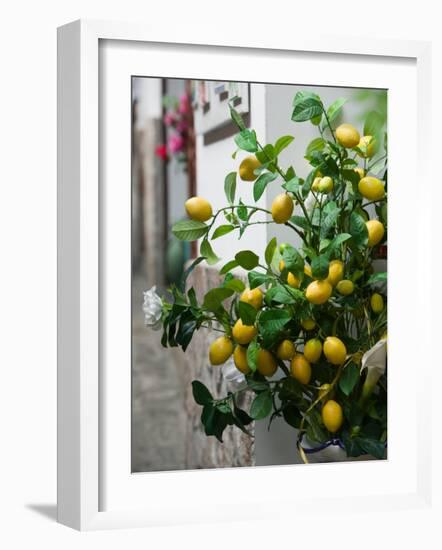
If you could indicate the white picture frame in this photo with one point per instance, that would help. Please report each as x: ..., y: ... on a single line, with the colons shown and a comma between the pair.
x: 181, y: 497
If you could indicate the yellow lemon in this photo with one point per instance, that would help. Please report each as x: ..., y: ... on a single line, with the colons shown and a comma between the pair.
x: 308, y: 324
x: 240, y: 359
x: 300, y: 369
x: 332, y: 416
x: 318, y: 292
x: 324, y: 391
x: 347, y: 135
x: 198, y: 209
x: 376, y: 303
x: 335, y: 272
x: 315, y: 184
x: 371, y: 188
x: 376, y: 232
x: 367, y: 145
x: 345, y: 287
x: 266, y: 363
x: 282, y: 208
x: 253, y: 297
x: 313, y: 350
x: 220, y: 350
x: 360, y: 172
x: 247, y: 168
x: 335, y: 350
x: 243, y: 334
x: 293, y: 281
x: 326, y: 185
x: 286, y: 350
x: 308, y: 270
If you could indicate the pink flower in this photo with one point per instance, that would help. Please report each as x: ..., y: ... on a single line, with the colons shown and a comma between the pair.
x: 182, y: 126
x: 175, y: 143
x: 184, y: 105
x: 169, y: 119
x: 161, y: 151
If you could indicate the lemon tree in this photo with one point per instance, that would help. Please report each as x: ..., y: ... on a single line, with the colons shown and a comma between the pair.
x: 297, y: 321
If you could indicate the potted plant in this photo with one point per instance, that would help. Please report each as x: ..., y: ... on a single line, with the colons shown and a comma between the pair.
x: 307, y: 330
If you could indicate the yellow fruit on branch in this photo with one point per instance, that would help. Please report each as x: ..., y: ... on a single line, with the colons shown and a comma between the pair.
x: 371, y: 188
x: 367, y: 145
x: 335, y: 272
x: 377, y: 303
x: 293, y: 280
x: 240, y: 359
x: 247, y: 168
x: 313, y: 350
x: 198, y: 209
x: 254, y: 297
x: 347, y: 135
x: 308, y: 270
x: 332, y: 416
x: 324, y: 392
x: 286, y: 350
x: 282, y: 208
x: 243, y: 334
x: 318, y: 292
x: 266, y: 363
x: 345, y: 287
x: 326, y: 185
x: 334, y: 350
x: 301, y: 369
x: 220, y: 350
x: 315, y: 184
x: 360, y: 172
x: 376, y: 232
x: 308, y: 324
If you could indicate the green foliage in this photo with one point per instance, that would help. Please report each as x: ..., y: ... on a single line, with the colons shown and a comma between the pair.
x: 326, y: 226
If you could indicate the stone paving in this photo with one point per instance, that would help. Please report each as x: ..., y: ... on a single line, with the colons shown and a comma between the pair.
x: 158, y: 421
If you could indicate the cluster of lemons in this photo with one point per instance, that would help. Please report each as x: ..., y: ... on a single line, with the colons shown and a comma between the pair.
x: 317, y: 292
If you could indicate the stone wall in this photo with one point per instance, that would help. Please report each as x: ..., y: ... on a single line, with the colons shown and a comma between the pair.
x: 237, y: 448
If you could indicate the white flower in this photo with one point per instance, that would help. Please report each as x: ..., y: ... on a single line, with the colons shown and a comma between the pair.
x: 153, y: 308
x: 375, y: 361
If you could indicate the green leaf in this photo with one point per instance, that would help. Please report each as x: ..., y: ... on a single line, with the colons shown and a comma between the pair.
x: 261, y: 406
x: 333, y: 247
x: 242, y: 211
x: 292, y: 415
x: 252, y: 354
x: 335, y: 108
x: 247, y: 259
x: 189, y: 230
x: 247, y: 313
x: 377, y: 278
x: 201, y: 394
x: 349, y: 378
x: 266, y: 156
x: 270, y: 251
x: 214, y: 298
x: 234, y: 284
x: 283, y: 294
x: 282, y: 143
x: 271, y: 322
x: 222, y: 230
x: 246, y: 140
x: 189, y: 271
x: 207, y: 251
x: 372, y: 446
x: 257, y: 279
x: 261, y: 183
x: 236, y: 117
x: 292, y: 185
x: 329, y: 221
x: 228, y: 267
x: 293, y: 260
x: 358, y: 229
x: 317, y: 144
x: 306, y: 106
x: 373, y: 124
x: 300, y: 221
x: 319, y: 266
x: 230, y: 187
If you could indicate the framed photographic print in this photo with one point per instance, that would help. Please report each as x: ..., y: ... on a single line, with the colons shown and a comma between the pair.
x: 224, y: 277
